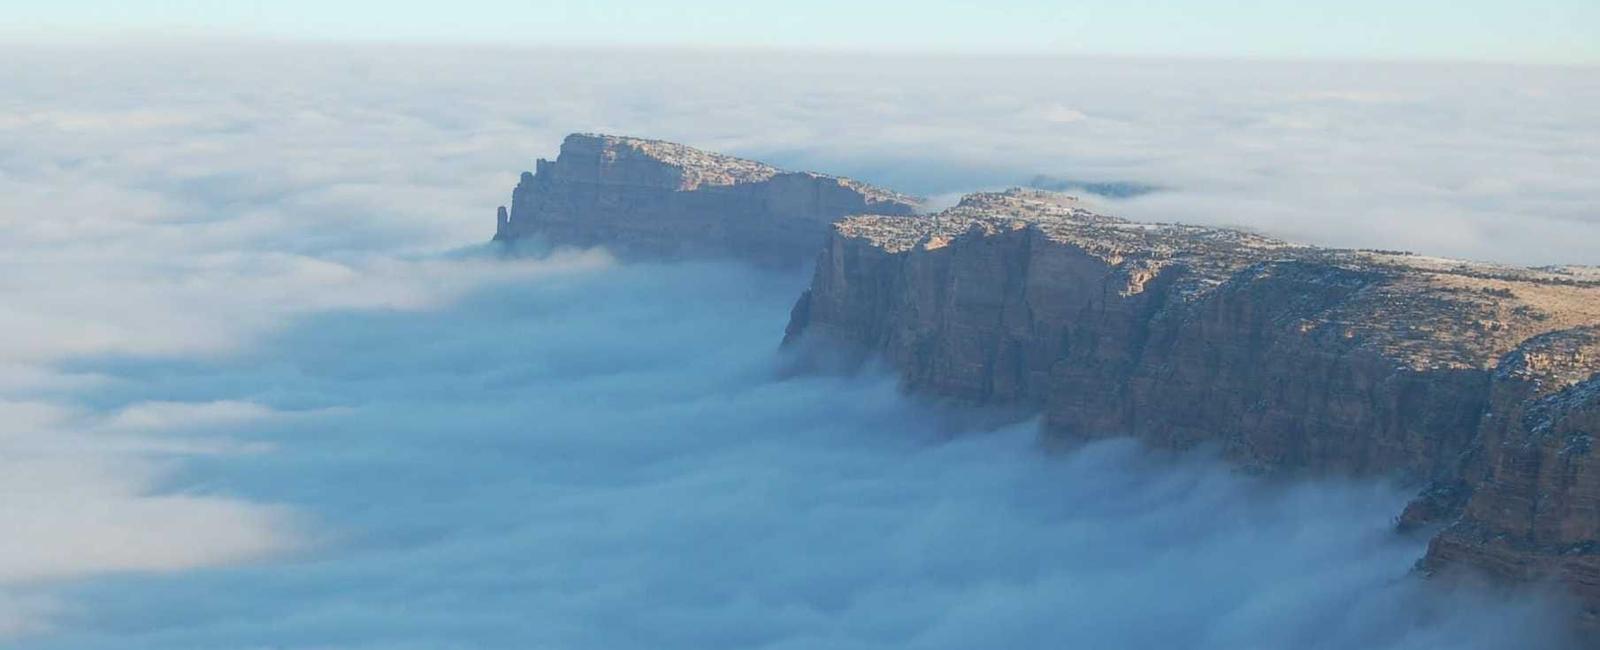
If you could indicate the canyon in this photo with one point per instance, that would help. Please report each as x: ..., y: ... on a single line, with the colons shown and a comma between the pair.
x: 1478, y: 383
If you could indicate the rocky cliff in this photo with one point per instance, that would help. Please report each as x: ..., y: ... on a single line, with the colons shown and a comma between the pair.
x: 1532, y: 492
x: 659, y: 199
x: 1477, y: 381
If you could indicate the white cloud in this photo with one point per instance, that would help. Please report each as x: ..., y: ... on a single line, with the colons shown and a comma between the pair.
x: 74, y: 516
x: 1057, y: 114
x: 166, y: 416
x: 182, y: 384
x: 613, y: 460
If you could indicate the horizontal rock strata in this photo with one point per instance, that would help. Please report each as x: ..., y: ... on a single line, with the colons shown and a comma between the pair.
x: 1477, y: 380
x: 658, y: 199
x: 1532, y: 507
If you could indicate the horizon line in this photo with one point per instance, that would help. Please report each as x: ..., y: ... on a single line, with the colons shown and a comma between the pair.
x: 178, y: 39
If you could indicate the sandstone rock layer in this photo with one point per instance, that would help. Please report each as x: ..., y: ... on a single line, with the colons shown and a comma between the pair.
x: 1478, y: 381
x: 658, y: 199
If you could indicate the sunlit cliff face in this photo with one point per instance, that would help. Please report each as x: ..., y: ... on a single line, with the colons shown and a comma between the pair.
x: 258, y: 387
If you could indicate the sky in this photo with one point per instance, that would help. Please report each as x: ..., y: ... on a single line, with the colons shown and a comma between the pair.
x: 1538, y: 31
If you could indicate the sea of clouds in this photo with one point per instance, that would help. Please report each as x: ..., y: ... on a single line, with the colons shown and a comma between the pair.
x: 261, y: 385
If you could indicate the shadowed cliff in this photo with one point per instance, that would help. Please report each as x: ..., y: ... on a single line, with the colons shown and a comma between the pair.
x: 1474, y: 380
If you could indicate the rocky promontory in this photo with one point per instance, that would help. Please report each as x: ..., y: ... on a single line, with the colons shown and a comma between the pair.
x: 659, y: 199
x: 1477, y: 383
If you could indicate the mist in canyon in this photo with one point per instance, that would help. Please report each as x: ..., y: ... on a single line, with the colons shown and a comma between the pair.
x: 253, y: 335
x: 614, y: 456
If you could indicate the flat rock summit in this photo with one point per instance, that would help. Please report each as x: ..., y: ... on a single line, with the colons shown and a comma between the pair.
x: 1478, y: 383
x: 654, y: 198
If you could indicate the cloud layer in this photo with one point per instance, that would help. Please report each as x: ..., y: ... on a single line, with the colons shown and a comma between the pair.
x: 244, y: 323
x: 365, y: 146
x: 615, y: 459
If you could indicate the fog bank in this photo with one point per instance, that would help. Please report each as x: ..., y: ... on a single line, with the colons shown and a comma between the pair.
x: 259, y: 385
x: 1478, y: 161
x: 613, y: 458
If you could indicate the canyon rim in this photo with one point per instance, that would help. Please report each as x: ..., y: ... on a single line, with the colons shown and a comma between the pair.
x: 1477, y: 383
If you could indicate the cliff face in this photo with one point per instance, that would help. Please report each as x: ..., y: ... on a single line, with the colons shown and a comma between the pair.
x: 1480, y: 383
x: 1477, y: 380
x: 1534, y: 506
x: 659, y: 199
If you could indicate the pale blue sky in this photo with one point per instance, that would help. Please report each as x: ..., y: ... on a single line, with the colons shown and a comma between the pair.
x: 1559, y: 31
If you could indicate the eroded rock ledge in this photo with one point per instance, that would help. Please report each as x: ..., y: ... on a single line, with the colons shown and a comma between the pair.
x: 1476, y: 380
x: 1479, y: 382
x: 659, y: 199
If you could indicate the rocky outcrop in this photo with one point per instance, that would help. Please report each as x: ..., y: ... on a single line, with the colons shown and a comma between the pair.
x: 1534, y: 507
x: 1477, y: 381
x: 658, y: 199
